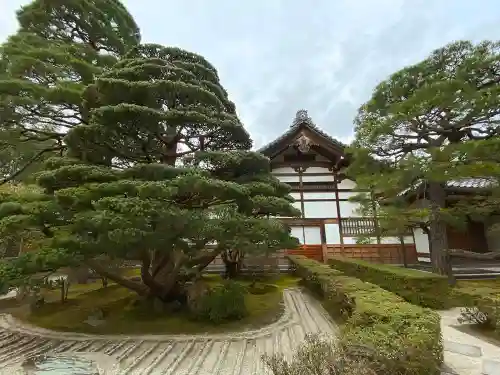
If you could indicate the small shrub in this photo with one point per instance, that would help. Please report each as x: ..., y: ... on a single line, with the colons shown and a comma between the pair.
x: 223, y: 303
x: 318, y: 355
x: 481, y: 304
x: 473, y: 315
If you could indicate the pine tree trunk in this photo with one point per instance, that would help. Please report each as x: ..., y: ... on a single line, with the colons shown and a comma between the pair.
x: 232, y: 270
x: 403, y: 251
x: 438, y: 233
x: 233, y: 261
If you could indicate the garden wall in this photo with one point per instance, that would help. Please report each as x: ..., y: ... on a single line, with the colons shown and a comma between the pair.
x: 418, y: 287
x: 405, y: 338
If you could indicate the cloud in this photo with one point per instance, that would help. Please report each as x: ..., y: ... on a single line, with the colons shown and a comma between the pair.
x: 275, y: 56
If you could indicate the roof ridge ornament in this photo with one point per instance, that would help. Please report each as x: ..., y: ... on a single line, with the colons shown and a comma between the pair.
x: 302, y: 117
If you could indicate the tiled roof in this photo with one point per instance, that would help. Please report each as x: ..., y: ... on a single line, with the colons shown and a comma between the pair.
x: 301, y: 117
x: 471, y: 183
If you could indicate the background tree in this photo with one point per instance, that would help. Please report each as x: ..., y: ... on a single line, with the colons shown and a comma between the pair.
x: 416, y: 115
x: 45, y: 66
x: 17, y: 158
x: 161, y: 170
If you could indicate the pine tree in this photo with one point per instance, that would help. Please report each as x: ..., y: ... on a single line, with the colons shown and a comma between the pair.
x: 58, y: 50
x: 417, y: 117
x: 161, y: 172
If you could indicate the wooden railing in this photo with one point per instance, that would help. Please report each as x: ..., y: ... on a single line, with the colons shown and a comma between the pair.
x: 363, y: 226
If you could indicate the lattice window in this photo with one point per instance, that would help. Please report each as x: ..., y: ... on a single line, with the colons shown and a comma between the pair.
x: 358, y: 227
x: 363, y: 226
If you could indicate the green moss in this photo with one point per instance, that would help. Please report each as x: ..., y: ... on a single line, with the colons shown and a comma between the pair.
x: 124, y: 316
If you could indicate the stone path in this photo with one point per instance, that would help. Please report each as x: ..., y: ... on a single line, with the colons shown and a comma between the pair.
x: 466, y: 354
x: 224, y: 354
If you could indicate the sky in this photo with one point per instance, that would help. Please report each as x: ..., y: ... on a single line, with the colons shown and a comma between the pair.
x: 275, y: 57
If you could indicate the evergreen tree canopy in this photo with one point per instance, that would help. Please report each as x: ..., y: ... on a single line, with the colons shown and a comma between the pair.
x: 423, y: 121
x: 58, y: 50
x: 161, y: 174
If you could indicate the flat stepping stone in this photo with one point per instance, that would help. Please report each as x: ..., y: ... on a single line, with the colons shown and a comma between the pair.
x: 464, y: 349
x: 491, y: 367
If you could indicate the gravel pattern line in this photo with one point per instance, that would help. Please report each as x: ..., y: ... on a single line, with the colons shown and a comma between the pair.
x: 236, y: 353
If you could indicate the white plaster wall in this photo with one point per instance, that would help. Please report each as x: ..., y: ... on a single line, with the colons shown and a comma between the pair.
x: 347, y: 194
x: 317, y: 170
x: 312, y: 235
x: 421, y: 243
x: 347, y: 184
x: 326, y: 209
x: 383, y: 240
x: 297, y: 205
x: 348, y: 209
x: 319, y: 195
x: 395, y: 240
x: 332, y: 234
x: 288, y: 178
x: 325, y: 178
x: 353, y: 240
x: 283, y: 170
x: 299, y: 233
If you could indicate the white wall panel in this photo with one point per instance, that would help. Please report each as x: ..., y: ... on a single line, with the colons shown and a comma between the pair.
x: 347, y: 194
x: 332, y: 234
x: 324, y: 178
x: 297, y: 205
x: 284, y: 170
x: 353, y: 240
x: 312, y: 235
x: 319, y: 195
x: 317, y: 170
x: 395, y: 240
x: 299, y: 233
x: 349, y: 209
x: 326, y: 209
x: 347, y: 184
x: 288, y: 178
x: 421, y: 241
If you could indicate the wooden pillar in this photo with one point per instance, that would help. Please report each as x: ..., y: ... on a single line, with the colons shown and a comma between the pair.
x: 301, y: 191
x: 324, y: 248
x: 339, y: 218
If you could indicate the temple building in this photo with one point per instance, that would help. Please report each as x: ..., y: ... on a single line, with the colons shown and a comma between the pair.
x: 313, y: 164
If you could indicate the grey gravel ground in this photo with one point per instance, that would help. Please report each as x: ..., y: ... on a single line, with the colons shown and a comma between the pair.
x: 226, y: 354
x: 466, y: 354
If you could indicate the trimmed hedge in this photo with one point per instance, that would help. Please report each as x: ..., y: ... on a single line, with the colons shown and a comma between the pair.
x: 418, y: 287
x: 378, y: 319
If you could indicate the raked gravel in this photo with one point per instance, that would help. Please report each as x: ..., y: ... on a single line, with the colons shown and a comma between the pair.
x: 211, y: 354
